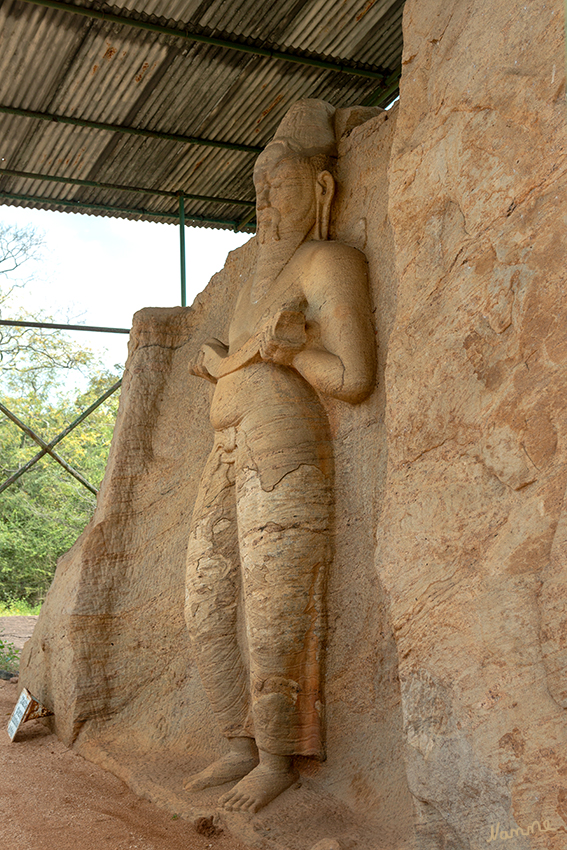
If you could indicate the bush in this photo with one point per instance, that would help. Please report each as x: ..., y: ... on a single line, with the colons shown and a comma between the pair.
x: 9, y: 657
x: 45, y: 510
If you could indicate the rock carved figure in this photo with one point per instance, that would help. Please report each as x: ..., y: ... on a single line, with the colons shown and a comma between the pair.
x: 260, y: 540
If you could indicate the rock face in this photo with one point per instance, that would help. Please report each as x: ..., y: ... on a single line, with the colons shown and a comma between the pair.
x: 111, y: 652
x: 472, y: 533
x: 445, y: 681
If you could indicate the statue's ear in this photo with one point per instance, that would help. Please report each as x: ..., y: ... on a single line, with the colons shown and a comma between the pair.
x: 324, y: 192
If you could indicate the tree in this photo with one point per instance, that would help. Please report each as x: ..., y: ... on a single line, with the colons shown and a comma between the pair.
x: 30, y: 348
x: 45, y: 510
x: 18, y: 245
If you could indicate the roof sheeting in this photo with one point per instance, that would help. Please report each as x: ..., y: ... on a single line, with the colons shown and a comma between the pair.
x: 57, y: 63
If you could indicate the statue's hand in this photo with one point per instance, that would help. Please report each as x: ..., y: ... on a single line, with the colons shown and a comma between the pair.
x: 207, y: 362
x: 283, y: 337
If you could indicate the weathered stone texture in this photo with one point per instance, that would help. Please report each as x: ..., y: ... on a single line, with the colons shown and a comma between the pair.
x: 471, y: 549
x: 446, y: 684
x: 111, y: 652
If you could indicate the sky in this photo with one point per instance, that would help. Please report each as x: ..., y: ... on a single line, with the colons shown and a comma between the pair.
x: 99, y: 271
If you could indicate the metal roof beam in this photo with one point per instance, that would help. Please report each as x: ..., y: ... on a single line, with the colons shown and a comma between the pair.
x: 96, y: 184
x: 133, y: 131
x: 11, y: 323
x: 314, y: 61
x: 386, y: 93
x: 105, y: 208
x: 245, y: 221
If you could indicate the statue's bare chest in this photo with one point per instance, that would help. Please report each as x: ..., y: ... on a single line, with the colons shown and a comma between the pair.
x: 259, y: 300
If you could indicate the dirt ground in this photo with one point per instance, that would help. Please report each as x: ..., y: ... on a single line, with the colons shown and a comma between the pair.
x: 52, y: 799
x: 17, y: 630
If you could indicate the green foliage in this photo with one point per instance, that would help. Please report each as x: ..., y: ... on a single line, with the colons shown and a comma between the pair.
x: 45, y: 510
x: 18, y: 608
x: 9, y: 657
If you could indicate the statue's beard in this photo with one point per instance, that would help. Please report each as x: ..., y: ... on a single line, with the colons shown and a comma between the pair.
x: 276, y: 246
x: 268, y: 226
x: 272, y: 229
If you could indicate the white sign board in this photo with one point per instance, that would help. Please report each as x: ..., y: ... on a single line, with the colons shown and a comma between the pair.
x: 27, y: 708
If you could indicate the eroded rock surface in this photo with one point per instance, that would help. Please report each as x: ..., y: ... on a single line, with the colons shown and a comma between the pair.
x: 472, y: 530
x: 111, y: 652
x: 445, y: 682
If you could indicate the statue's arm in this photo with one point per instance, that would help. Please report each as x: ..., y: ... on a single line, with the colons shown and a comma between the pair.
x: 342, y: 363
x: 208, y: 361
x: 334, y: 349
x: 278, y: 340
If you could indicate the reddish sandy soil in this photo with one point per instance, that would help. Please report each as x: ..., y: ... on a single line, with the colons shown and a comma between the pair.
x: 17, y: 630
x: 52, y: 799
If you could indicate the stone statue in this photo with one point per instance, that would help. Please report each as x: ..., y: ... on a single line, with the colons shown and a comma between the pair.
x: 260, y: 539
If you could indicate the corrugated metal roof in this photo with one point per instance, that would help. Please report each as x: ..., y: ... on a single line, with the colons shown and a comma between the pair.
x: 57, y: 62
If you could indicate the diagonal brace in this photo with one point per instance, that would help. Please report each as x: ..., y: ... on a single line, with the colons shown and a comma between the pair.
x: 47, y: 448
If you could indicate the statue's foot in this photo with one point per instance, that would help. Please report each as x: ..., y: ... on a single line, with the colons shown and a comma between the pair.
x: 259, y: 788
x: 229, y: 768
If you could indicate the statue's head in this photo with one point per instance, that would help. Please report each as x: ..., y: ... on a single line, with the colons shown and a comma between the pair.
x: 292, y: 176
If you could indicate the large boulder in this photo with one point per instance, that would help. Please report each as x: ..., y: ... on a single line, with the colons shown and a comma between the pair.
x: 446, y: 682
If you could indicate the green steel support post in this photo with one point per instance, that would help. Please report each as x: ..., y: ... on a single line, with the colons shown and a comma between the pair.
x: 182, y: 250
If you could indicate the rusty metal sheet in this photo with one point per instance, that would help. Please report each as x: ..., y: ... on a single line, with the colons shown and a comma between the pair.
x: 55, y: 62
x: 27, y: 708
